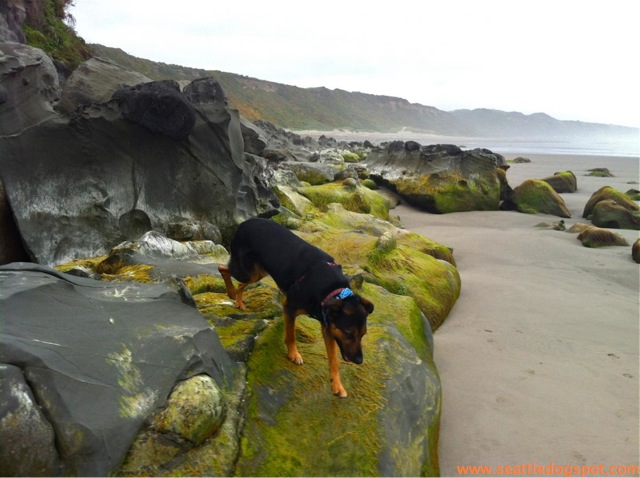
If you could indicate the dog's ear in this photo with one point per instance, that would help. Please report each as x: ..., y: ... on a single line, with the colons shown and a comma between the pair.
x: 368, y: 306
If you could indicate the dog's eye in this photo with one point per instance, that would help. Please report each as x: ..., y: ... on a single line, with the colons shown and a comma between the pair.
x: 350, y: 336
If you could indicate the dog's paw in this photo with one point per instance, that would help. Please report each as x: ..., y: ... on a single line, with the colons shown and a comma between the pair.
x: 341, y: 393
x: 296, y: 358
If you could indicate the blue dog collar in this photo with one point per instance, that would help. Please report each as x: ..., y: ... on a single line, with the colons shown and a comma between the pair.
x: 339, y: 293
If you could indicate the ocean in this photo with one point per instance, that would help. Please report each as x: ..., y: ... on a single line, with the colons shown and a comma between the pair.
x: 622, y: 146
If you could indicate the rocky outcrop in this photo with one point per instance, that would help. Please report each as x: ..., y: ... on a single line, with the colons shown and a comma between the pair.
x: 438, y: 178
x: 534, y: 196
x: 88, y: 362
x: 149, y: 158
x: 607, y: 193
x: 12, y: 16
x: 564, y: 182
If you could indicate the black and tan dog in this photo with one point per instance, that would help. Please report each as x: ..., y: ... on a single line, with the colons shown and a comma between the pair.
x: 312, y: 284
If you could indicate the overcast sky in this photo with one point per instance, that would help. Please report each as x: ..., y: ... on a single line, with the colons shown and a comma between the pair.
x: 571, y: 59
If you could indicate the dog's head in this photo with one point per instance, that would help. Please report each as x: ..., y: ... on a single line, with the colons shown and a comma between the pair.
x: 347, y: 324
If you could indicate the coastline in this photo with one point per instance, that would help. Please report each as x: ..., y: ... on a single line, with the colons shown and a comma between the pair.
x: 539, y: 357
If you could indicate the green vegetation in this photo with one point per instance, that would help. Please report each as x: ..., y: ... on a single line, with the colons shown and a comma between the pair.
x: 48, y: 26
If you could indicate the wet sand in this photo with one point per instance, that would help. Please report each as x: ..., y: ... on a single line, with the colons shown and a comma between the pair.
x: 539, y: 359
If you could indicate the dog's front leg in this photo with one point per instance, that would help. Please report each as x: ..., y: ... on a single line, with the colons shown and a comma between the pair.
x: 334, y: 370
x: 290, y: 335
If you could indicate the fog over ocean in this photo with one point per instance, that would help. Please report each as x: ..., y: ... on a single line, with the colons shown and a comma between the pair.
x: 625, y: 146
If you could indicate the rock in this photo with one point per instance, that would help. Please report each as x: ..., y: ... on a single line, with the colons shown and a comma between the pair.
x: 564, y: 182
x: 105, y: 179
x: 11, y: 248
x: 600, y: 172
x: 521, y: 160
x: 159, y: 107
x: 578, y: 227
x: 633, y: 194
x: 95, y: 81
x: 191, y: 230
x: 194, y: 411
x: 438, y: 178
x: 29, y: 82
x: 23, y: 429
x: 155, y: 257
x: 255, y: 141
x: 352, y: 196
x: 100, y: 357
x: 534, y: 196
x: 609, y: 193
x: 12, y: 16
x: 597, y: 237
x: 635, y: 251
x: 388, y: 425
x: 291, y: 199
x: 610, y: 214
x: 313, y: 173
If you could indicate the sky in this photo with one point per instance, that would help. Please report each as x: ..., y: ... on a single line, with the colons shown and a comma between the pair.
x: 571, y: 59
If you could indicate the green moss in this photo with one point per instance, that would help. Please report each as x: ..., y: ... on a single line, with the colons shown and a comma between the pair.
x: 46, y: 29
x: 433, y: 284
x: 204, y: 283
x: 609, y: 193
x: 450, y: 192
x: 91, y: 264
x: 296, y: 428
x: 350, y: 157
x: 360, y: 199
x: 133, y: 273
x: 535, y: 196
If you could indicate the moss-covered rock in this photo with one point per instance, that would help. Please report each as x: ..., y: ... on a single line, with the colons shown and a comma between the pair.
x: 534, y: 196
x: 563, y: 182
x: 600, y: 173
x: 357, y: 199
x: 609, y: 213
x: 449, y: 192
x: 416, y: 266
x: 635, y: 251
x: 389, y: 424
x: 597, y: 237
x: 608, y: 193
x: 438, y: 178
x: 291, y: 199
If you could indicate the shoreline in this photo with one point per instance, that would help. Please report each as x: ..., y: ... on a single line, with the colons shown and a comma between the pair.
x: 539, y: 357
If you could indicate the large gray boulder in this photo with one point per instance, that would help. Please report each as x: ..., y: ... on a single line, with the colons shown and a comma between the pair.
x: 98, y: 359
x: 438, y: 178
x: 29, y: 88
x: 95, y: 81
x: 111, y: 171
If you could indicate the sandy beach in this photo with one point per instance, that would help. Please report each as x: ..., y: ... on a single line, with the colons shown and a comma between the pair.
x: 539, y: 358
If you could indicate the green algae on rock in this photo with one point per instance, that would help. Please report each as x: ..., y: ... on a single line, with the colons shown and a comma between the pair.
x: 608, y: 193
x: 291, y: 411
x: 535, y: 196
x: 442, y: 193
x: 357, y: 199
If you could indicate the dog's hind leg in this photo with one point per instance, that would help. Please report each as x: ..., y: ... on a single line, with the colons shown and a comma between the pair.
x: 228, y: 283
x: 334, y: 366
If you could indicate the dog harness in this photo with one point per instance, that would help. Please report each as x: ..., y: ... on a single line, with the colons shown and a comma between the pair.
x: 341, y: 294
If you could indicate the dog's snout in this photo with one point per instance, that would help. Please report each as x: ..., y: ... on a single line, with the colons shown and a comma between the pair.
x: 358, y: 360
